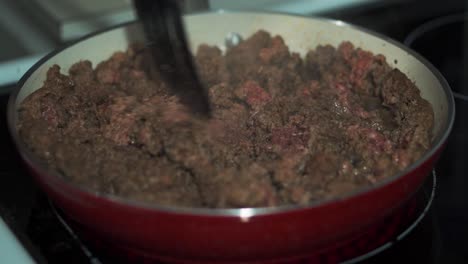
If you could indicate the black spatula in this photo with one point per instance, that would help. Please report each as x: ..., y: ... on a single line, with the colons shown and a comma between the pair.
x: 164, y: 29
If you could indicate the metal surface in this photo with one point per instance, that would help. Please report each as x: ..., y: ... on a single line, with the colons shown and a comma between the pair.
x: 12, y: 251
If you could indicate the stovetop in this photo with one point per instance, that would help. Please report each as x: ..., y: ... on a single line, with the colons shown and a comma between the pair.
x: 441, y: 236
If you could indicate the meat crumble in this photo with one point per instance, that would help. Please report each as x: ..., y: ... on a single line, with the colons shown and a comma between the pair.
x: 285, y: 129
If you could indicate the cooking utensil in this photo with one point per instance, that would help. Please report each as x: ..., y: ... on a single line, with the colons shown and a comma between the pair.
x: 191, y: 235
x: 164, y: 30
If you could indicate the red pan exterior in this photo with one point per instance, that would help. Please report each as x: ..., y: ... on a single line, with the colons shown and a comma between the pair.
x: 185, y: 237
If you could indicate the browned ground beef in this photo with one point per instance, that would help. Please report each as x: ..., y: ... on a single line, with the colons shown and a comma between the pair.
x: 285, y: 130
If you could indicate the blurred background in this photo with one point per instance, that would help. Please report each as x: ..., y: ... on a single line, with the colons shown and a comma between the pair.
x: 31, y: 28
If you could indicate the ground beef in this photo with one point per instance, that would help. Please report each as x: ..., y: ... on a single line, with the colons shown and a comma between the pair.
x: 285, y: 130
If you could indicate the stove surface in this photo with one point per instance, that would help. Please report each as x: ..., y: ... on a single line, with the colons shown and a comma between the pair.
x: 441, y: 236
